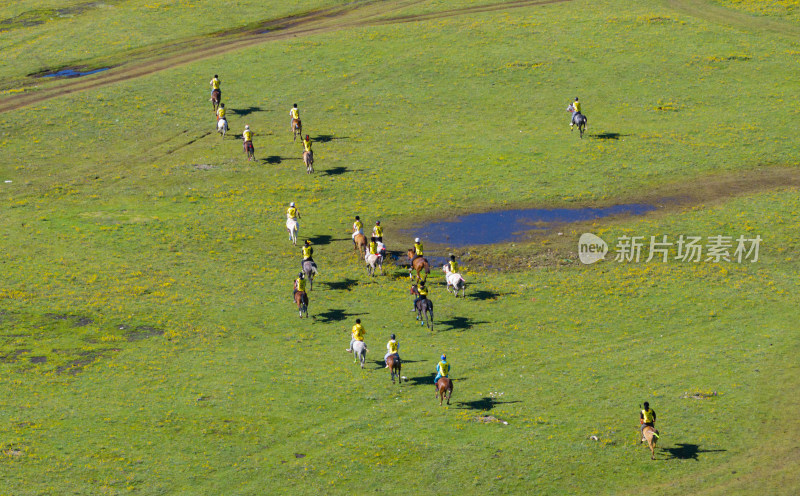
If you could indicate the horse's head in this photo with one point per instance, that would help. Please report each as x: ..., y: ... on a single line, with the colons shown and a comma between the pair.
x: 414, y: 290
x: 446, y: 268
x: 411, y: 253
x: 570, y: 108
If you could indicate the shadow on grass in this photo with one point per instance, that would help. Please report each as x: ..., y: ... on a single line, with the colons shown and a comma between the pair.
x: 607, y: 136
x: 277, y: 159
x: 338, y: 171
x: 380, y: 364
x: 460, y: 323
x: 345, y: 285
x: 245, y: 111
x: 483, y: 294
x: 325, y: 138
x: 422, y: 380
x: 684, y: 451
x: 321, y: 239
x: 485, y: 403
x: 335, y: 315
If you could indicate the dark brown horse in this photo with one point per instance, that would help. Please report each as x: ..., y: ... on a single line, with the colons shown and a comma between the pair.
x: 393, y: 361
x: 444, y: 386
x: 301, y: 298
x: 360, y: 242
x: 297, y: 128
x: 249, y: 150
x: 419, y: 264
x: 216, y: 96
x: 424, y: 308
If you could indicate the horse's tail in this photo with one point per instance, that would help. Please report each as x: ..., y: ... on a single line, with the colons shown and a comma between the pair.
x: 427, y: 267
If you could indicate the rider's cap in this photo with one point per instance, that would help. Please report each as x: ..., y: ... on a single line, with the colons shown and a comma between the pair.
x: 307, y: 137
x: 576, y: 98
x: 246, y: 126
x: 308, y: 241
x: 392, y: 336
x: 300, y: 274
x: 291, y: 204
x: 357, y: 217
x: 646, y: 404
x: 444, y: 357
x: 295, y: 105
x: 416, y: 240
x: 377, y: 222
x: 215, y: 75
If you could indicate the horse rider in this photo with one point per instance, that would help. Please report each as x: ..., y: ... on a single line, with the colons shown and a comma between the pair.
x: 221, y: 111
x: 357, y: 333
x: 442, y: 370
x: 308, y: 252
x: 417, y: 248
x: 292, y: 212
x: 373, y: 246
x: 391, y: 349
x: 576, y: 106
x: 215, y: 86
x: 453, y: 264
x: 422, y: 289
x: 647, y: 417
x: 299, y: 284
x: 294, y: 112
x: 377, y: 231
x: 307, y: 145
x: 358, y: 228
x: 247, y: 136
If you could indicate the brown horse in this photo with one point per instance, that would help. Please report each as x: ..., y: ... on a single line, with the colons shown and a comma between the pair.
x: 651, y: 436
x: 249, y: 150
x: 297, y: 128
x: 301, y: 298
x: 308, y: 159
x: 418, y: 264
x: 393, y: 361
x: 360, y: 244
x: 216, y: 96
x: 444, y: 385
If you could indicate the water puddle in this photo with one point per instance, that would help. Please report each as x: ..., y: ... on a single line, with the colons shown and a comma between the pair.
x: 513, y: 225
x: 72, y: 73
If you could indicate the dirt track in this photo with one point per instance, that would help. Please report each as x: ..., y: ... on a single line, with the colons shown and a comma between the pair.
x: 154, y: 59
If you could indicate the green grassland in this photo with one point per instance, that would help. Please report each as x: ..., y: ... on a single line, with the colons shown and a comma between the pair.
x: 148, y: 343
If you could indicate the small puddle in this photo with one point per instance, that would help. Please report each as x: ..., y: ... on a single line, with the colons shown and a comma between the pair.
x: 72, y: 73
x: 513, y: 225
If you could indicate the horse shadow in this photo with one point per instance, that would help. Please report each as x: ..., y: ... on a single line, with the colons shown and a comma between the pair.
x: 608, y: 136
x: 334, y: 315
x: 380, y: 364
x: 422, y: 380
x: 346, y: 284
x: 685, y: 451
x: 277, y: 159
x: 338, y: 171
x: 484, y: 404
x: 325, y: 138
x: 483, y: 294
x: 246, y: 111
x: 322, y: 239
x: 460, y: 323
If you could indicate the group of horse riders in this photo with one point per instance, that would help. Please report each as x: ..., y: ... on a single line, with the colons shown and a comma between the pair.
x: 375, y: 246
x: 247, y: 134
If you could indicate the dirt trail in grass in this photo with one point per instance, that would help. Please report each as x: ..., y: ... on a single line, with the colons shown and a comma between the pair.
x: 718, y: 14
x: 149, y: 60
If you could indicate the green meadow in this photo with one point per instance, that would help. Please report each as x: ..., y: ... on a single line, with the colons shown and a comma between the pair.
x: 148, y: 340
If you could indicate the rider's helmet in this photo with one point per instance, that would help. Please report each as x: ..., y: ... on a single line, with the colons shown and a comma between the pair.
x: 295, y: 105
x: 301, y: 275
x: 377, y: 222
x: 307, y: 138
x: 646, y: 405
x: 246, y: 126
x: 357, y: 218
x: 452, y: 257
x: 392, y: 336
x: 216, y: 76
x: 416, y: 240
x: 444, y: 357
x: 576, y: 98
x: 308, y: 241
x: 291, y: 204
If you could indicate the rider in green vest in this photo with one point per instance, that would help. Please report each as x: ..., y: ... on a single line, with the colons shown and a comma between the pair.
x: 442, y: 370
x: 647, y: 417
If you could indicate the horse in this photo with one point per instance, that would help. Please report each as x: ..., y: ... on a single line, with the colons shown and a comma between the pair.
x: 651, y: 436
x: 297, y: 128
x: 360, y: 352
x: 455, y: 281
x: 222, y: 126
x: 372, y: 261
x: 301, y: 298
x: 308, y: 159
x: 249, y: 150
x: 393, y: 361
x: 216, y: 97
x: 424, y: 308
x: 418, y: 264
x: 291, y: 226
x: 578, y: 119
x: 444, y: 385
x: 360, y: 244
x: 310, y: 270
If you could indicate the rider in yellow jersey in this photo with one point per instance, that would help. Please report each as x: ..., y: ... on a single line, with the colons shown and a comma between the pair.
x: 576, y: 106
x: 391, y: 349
x: 247, y: 134
x: 357, y: 334
x: 308, y: 253
x: 294, y: 112
x: 358, y: 228
x: 422, y: 289
x: 453, y: 264
x: 292, y: 212
x: 299, y: 284
x: 307, y: 145
x: 442, y: 370
x: 221, y: 111
x: 215, y: 85
x: 417, y: 248
x: 647, y: 417
x: 373, y: 246
x: 377, y: 231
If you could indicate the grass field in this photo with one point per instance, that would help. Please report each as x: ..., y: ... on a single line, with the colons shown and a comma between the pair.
x: 148, y: 343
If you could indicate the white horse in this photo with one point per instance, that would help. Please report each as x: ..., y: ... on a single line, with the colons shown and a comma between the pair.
x: 372, y: 261
x: 291, y: 226
x: 360, y: 352
x: 222, y: 126
x: 455, y: 281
